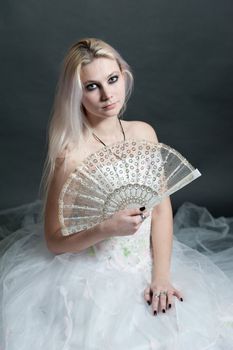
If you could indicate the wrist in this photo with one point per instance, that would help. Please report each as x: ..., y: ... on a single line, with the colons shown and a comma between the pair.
x: 104, y: 230
x: 161, y: 276
x: 160, y: 280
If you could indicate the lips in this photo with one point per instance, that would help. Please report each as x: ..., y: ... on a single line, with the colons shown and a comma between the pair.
x: 110, y: 105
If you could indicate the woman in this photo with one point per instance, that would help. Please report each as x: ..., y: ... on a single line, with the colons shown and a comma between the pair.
x: 105, y: 81
x: 71, y: 298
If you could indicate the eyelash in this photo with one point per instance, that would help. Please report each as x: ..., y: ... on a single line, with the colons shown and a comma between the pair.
x: 112, y: 82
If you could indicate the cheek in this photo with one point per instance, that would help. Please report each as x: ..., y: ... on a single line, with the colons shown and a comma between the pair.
x: 122, y: 90
x: 88, y: 100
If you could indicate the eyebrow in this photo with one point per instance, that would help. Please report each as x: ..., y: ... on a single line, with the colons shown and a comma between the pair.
x: 95, y: 81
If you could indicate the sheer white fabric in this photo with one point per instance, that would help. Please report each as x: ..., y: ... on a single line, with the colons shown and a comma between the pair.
x: 81, y: 301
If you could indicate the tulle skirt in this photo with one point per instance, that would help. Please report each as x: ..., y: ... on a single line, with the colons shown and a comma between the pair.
x: 75, y: 301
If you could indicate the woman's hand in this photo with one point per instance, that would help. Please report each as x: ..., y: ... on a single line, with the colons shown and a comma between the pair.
x: 125, y: 222
x: 159, y: 294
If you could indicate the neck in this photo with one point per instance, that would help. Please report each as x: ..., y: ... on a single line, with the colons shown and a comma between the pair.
x: 106, y: 128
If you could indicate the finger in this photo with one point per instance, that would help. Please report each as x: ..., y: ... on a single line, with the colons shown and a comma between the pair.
x: 169, y: 299
x: 134, y: 211
x: 178, y: 294
x: 147, y: 295
x: 155, y: 302
x: 163, y: 302
x: 139, y: 218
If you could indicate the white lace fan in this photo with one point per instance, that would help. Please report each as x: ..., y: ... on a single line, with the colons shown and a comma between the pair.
x: 127, y: 174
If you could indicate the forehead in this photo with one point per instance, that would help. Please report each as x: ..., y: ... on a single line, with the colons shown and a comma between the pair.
x: 98, y: 69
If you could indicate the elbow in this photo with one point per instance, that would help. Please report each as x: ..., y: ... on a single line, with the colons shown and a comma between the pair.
x: 52, y: 248
x: 52, y: 244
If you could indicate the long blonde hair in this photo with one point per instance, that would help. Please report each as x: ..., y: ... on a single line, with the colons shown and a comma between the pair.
x: 67, y: 118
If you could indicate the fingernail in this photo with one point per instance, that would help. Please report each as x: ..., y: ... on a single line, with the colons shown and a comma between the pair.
x: 181, y: 299
x: 170, y: 305
x: 148, y: 302
x: 164, y: 311
x: 142, y: 208
x: 155, y: 312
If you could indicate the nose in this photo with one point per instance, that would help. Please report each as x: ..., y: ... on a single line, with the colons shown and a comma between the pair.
x: 105, y: 93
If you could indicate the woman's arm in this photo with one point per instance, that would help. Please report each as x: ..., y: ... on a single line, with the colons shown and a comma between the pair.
x: 124, y: 222
x: 162, y: 220
x: 56, y: 242
x: 75, y: 243
x: 162, y: 241
x: 162, y: 238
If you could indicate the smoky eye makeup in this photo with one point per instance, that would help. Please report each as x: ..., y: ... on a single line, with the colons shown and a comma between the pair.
x: 113, y: 78
x: 91, y: 87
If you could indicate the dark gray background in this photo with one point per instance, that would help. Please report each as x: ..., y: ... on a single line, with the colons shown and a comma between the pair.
x: 182, y: 57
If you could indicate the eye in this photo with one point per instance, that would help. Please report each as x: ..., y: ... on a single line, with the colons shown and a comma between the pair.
x: 113, y: 79
x: 91, y: 87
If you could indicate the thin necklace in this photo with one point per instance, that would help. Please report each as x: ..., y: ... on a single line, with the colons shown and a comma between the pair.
x: 98, y: 139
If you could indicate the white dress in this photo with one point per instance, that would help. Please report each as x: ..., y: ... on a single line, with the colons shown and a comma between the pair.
x: 94, y: 299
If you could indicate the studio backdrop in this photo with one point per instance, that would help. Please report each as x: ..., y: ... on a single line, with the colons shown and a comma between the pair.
x: 181, y: 55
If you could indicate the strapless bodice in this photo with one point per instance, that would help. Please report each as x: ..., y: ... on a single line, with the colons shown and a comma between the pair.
x: 130, y: 252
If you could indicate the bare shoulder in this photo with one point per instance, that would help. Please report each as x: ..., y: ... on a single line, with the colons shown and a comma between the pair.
x: 140, y: 130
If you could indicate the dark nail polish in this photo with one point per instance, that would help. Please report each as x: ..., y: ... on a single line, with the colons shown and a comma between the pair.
x: 142, y: 208
x: 155, y: 312
x: 181, y: 299
x: 164, y: 311
x: 148, y: 302
x: 170, y: 305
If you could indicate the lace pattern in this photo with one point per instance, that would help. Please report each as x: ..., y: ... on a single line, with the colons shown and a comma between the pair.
x: 127, y: 174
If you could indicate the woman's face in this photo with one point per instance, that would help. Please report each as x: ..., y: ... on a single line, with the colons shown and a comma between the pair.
x: 103, y: 88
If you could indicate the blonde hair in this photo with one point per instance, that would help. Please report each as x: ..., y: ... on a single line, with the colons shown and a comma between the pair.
x: 67, y: 118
